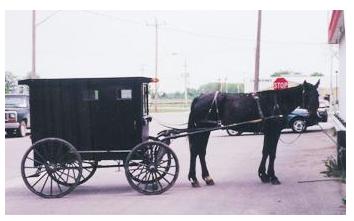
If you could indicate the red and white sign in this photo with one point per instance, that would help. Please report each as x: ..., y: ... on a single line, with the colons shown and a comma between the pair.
x: 280, y: 83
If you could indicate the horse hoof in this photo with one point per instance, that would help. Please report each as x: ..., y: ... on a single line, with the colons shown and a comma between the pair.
x: 275, y: 181
x: 195, y: 184
x: 264, y: 178
x: 209, y: 181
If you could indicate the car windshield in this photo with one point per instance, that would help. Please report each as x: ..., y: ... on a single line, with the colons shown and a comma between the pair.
x: 15, y: 101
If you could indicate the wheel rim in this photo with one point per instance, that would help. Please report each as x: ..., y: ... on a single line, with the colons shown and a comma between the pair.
x: 299, y: 125
x: 232, y: 132
x: 152, y: 168
x: 48, y: 165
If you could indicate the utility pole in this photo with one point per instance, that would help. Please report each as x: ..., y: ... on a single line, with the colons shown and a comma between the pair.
x: 156, y: 26
x: 185, y: 76
x: 225, y: 80
x: 256, y: 71
x: 33, y: 73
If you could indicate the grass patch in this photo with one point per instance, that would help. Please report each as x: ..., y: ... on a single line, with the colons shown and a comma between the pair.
x: 333, y: 170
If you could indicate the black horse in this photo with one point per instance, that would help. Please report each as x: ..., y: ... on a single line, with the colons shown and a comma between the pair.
x: 210, y: 110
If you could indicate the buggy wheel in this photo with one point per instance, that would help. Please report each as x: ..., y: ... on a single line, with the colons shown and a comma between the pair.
x: 51, y: 168
x: 151, y: 168
x: 89, y: 168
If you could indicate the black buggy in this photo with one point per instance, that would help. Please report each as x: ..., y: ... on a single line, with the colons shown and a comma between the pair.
x: 78, y: 123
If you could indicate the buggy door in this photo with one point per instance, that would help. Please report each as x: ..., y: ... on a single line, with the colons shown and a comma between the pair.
x: 115, y: 119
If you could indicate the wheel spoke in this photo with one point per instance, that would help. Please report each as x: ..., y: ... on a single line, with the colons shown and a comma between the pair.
x: 148, y: 176
x: 51, y: 186
x: 36, y: 173
x: 135, y: 169
x: 163, y: 177
x: 68, y: 175
x: 166, y: 172
x: 38, y: 180
x: 59, y: 187
x: 44, y: 183
x: 141, y: 172
x: 59, y: 176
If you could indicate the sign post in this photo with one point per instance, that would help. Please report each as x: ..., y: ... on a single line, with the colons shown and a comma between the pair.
x: 280, y: 83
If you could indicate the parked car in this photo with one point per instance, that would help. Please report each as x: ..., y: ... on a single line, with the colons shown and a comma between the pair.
x: 298, y: 121
x: 17, y: 114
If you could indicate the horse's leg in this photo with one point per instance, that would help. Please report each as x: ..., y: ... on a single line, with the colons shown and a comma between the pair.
x: 191, y: 175
x: 262, y: 167
x: 272, y: 153
x: 193, y: 147
x: 203, y: 145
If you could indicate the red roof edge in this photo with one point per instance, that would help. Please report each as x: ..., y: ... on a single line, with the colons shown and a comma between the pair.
x: 333, y: 24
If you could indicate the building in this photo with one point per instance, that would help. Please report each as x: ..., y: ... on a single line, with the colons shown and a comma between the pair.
x: 336, y: 35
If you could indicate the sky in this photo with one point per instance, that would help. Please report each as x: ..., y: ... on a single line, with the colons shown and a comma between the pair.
x: 213, y: 44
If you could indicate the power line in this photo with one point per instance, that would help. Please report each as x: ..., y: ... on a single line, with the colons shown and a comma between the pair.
x: 233, y: 38
x: 175, y: 28
x: 47, y: 18
x: 115, y: 18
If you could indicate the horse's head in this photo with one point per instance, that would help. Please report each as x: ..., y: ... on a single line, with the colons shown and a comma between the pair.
x: 310, y: 97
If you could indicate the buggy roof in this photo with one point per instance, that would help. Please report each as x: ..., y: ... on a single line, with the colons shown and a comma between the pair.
x: 127, y: 80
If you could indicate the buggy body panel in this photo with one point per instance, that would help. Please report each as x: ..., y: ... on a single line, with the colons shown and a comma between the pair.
x: 93, y: 114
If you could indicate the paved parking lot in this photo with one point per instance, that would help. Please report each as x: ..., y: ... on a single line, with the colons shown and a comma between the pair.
x: 233, y: 163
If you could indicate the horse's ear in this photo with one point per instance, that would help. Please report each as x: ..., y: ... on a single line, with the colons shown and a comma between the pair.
x: 305, y: 82
x: 318, y: 83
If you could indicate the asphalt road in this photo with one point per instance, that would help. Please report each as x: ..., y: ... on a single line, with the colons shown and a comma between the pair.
x: 233, y: 163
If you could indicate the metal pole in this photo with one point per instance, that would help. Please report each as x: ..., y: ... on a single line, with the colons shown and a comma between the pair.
x: 256, y: 71
x: 185, y: 81
x: 33, y: 74
x: 156, y: 60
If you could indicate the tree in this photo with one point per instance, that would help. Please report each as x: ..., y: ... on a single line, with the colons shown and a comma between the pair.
x: 10, y: 82
x: 280, y: 74
x: 229, y: 87
x: 209, y: 87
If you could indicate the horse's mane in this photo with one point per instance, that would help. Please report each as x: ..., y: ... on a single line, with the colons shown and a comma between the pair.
x: 286, y: 90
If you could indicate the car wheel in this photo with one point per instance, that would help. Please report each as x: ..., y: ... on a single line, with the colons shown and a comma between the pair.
x: 233, y: 132
x: 9, y: 133
x: 298, y: 125
x: 22, y: 130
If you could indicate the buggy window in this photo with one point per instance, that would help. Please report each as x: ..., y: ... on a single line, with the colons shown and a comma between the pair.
x: 145, y: 99
x: 90, y: 95
x: 124, y: 94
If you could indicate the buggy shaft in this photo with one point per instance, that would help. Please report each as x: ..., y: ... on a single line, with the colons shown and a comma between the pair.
x: 204, y: 130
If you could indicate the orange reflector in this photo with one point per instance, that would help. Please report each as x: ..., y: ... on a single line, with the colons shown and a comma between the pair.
x: 155, y: 80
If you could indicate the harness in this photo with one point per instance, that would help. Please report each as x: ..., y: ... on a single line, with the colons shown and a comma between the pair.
x: 214, y: 103
x: 276, y: 107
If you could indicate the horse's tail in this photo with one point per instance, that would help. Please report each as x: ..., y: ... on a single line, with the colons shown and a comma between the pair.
x: 191, y: 119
